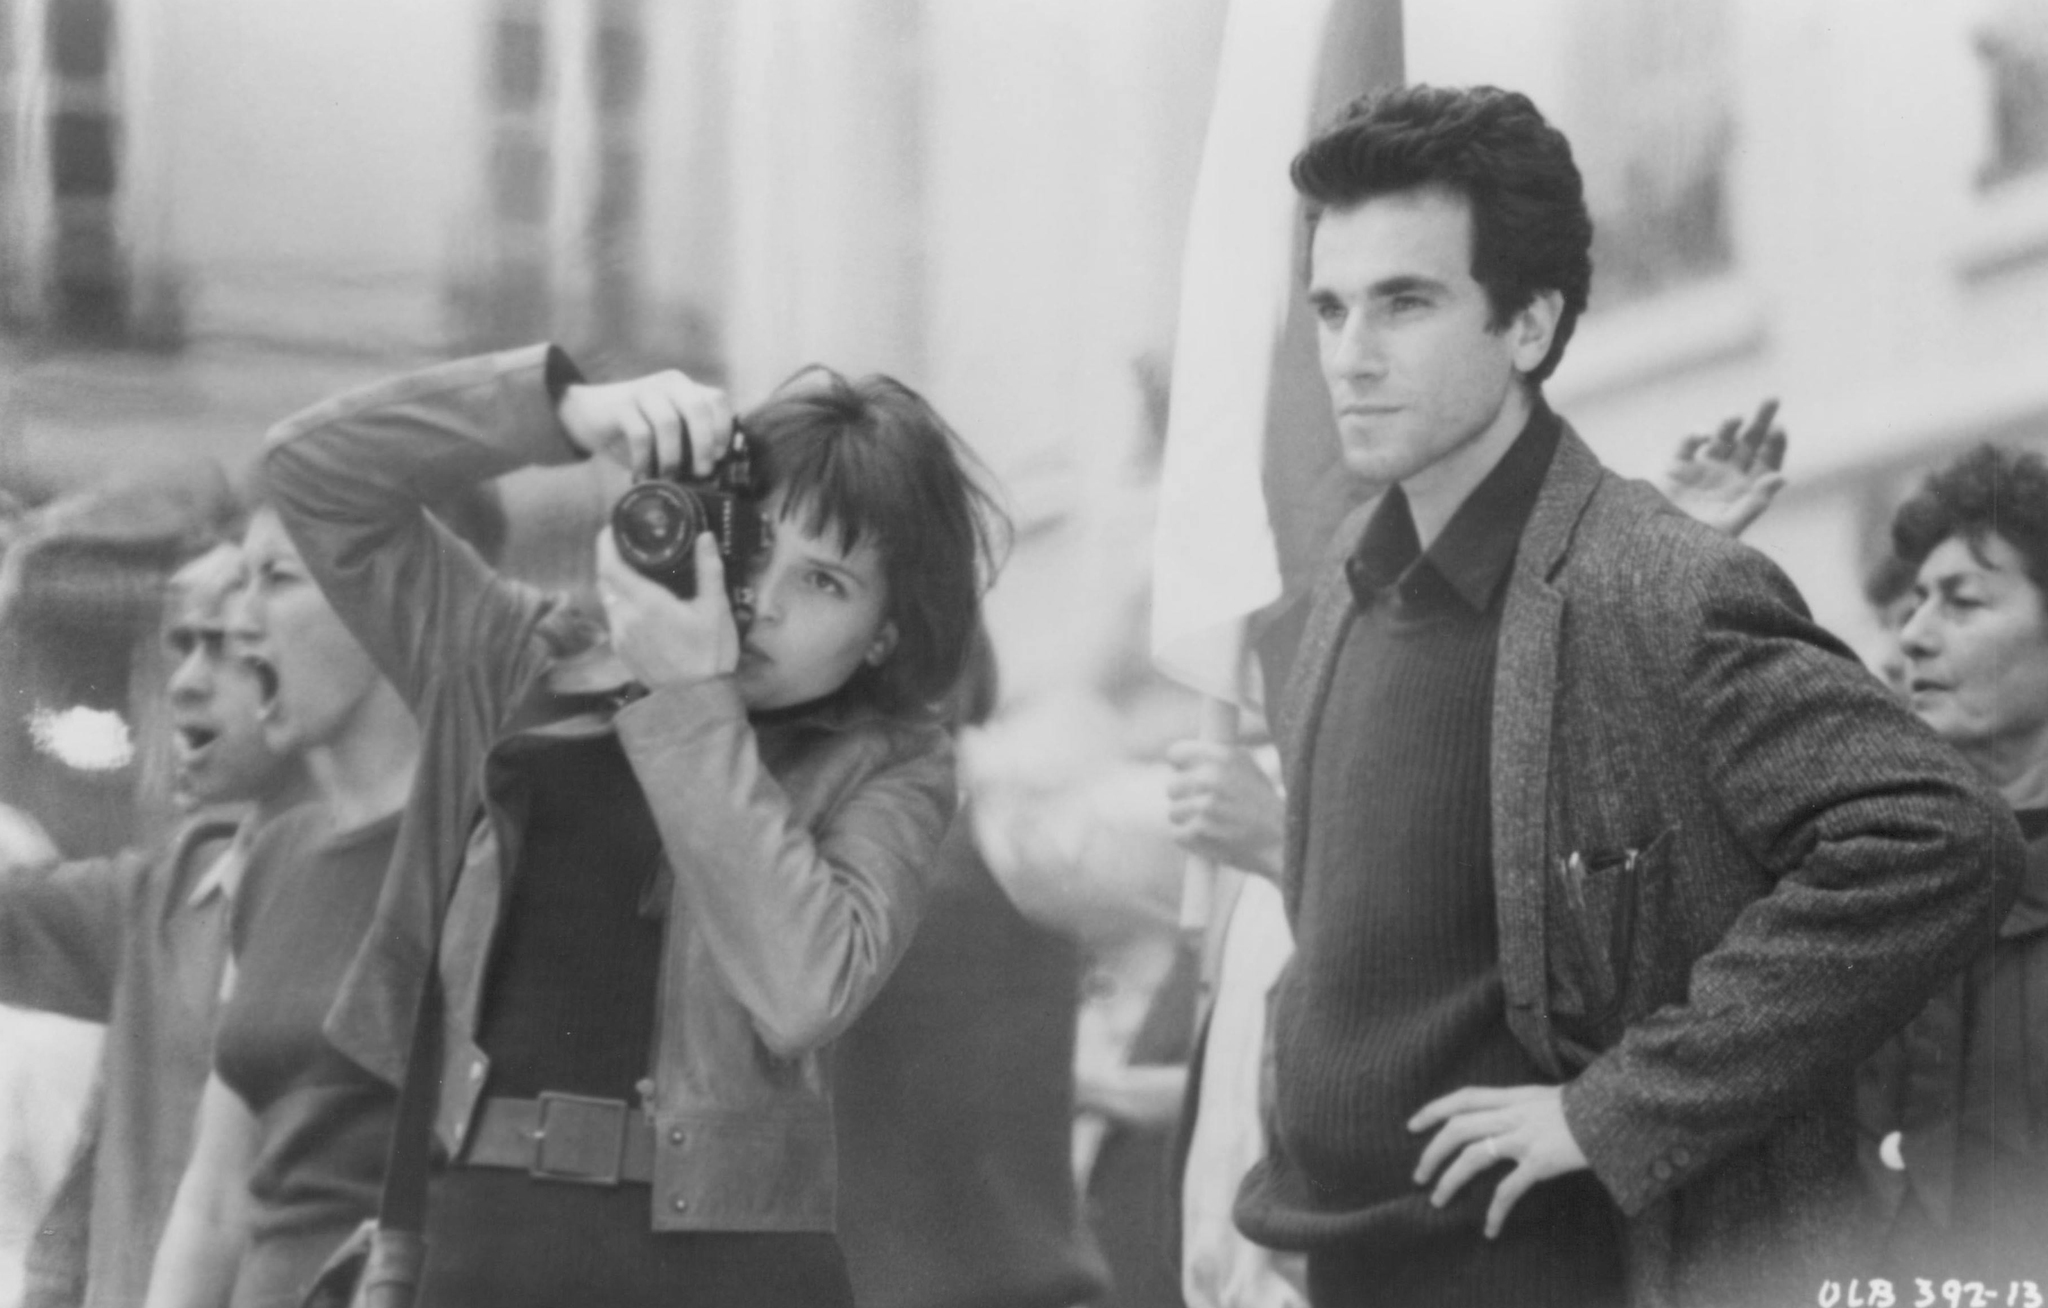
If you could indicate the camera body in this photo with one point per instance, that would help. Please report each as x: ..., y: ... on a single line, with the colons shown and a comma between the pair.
x: 656, y: 524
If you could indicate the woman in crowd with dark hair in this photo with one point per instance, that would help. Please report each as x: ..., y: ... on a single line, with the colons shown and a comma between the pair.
x: 662, y: 862
x: 1955, y: 1107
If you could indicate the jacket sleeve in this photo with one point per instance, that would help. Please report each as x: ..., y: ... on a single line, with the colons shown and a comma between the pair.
x: 351, y: 479
x: 60, y: 934
x: 804, y: 926
x: 1888, y: 864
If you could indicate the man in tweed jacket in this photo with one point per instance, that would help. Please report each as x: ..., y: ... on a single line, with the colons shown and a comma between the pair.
x: 1606, y: 865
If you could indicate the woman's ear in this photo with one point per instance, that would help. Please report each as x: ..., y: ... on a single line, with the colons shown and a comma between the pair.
x: 883, y: 645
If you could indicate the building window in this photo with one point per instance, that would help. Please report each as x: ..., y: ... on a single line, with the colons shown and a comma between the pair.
x: 2012, y: 42
x: 613, y: 220
x: 1652, y: 126
x: 503, y: 290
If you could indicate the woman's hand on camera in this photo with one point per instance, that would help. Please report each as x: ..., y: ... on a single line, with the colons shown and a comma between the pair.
x: 664, y: 423
x: 665, y: 640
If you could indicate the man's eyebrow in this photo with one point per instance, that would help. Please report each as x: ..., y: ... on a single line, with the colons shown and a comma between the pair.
x: 1405, y: 284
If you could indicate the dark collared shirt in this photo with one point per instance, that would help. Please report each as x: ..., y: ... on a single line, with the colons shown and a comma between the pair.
x: 1470, y: 558
x: 1395, y: 996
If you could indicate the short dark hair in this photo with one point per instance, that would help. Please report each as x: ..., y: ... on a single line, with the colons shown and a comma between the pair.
x: 1989, y: 491
x: 1530, y: 229
x: 870, y: 459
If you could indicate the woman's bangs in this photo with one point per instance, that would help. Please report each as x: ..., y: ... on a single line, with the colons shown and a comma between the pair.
x: 833, y: 487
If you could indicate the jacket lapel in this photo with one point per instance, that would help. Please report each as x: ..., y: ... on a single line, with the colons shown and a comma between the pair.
x: 1524, y: 700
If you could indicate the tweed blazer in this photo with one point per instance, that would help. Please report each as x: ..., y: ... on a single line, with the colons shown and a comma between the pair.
x: 1726, y: 862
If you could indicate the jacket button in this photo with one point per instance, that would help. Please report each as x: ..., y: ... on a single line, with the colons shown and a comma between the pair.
x: 1891, y: 1151
x: 1681, y: 1156
x: 1661, y: 1170
x: 681, y: 1204
x: 676, y: 1136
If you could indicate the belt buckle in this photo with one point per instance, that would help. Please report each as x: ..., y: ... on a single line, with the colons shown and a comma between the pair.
x: 579, y: 1139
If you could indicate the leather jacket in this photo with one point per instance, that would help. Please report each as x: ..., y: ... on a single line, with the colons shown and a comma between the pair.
x: 798, y: 853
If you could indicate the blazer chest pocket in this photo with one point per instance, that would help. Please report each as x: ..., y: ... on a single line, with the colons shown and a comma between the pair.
x: 1604, y: 904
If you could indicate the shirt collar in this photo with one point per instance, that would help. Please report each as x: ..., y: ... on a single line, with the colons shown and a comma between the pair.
x: 223, y: 877
x: 1471, y: 556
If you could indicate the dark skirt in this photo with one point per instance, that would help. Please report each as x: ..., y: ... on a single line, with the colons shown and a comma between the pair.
x: 501, y: 1239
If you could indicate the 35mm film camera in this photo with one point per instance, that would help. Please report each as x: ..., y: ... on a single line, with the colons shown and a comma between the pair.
x: 656, y: 524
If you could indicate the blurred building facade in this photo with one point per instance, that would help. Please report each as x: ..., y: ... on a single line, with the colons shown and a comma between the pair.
x: 216, y: 211
x: 1843, y: 203
x: 211, y: 212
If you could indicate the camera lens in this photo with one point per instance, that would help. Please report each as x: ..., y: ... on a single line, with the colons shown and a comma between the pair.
x: 656, y: 524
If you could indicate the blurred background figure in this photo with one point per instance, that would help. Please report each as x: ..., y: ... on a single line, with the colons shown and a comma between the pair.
x: 1955, y: 1107
x: 1069, y: 813
x: 134, y: 939
x: 955, y: 1097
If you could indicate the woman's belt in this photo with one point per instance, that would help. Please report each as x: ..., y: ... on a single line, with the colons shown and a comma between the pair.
x: 558, y: 1137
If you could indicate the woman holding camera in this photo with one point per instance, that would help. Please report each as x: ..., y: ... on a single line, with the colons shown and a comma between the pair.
x: 660, y: 863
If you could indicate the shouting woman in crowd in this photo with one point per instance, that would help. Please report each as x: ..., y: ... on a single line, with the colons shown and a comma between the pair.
x: 291, y: 1136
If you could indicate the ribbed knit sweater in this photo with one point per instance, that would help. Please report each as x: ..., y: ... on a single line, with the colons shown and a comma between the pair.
x: 1394, y: 997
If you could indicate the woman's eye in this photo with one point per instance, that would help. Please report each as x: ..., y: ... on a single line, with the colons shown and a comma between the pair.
x: 828, y: 583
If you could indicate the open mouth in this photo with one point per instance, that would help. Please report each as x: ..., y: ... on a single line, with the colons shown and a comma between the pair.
x: 265, y: 673
x: 192, y: 739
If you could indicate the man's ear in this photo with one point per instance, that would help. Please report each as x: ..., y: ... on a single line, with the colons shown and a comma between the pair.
x: 1533, y: 329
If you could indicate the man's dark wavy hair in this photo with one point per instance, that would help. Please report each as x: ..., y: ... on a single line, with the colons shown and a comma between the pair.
x: 1989, y: 491
x: 869, y: 459
x: 1530, y: 229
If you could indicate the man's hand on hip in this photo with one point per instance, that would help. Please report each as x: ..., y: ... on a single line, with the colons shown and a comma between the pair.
x: 1484, y: 1125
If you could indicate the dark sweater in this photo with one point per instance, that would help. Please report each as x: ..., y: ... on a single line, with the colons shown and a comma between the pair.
x: 1394, y: 997
x: 570, y: 1003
